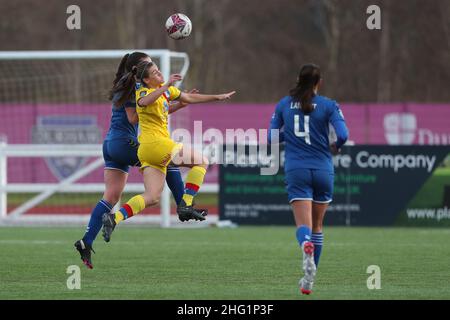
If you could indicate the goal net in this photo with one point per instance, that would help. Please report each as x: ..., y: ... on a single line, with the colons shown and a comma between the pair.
x: 55, y: 114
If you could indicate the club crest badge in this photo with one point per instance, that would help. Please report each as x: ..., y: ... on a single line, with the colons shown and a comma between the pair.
x: 66, y: 129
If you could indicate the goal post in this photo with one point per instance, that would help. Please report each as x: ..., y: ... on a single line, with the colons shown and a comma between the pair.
x: 42, y: 92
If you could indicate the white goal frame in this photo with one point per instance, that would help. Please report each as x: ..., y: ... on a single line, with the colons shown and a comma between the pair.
x: 45, y: 190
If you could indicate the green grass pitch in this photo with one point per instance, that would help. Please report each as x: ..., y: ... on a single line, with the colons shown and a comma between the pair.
x: 211, y: 263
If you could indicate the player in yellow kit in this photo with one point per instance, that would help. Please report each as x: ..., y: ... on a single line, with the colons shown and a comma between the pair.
x: 157, y: 149
x: 154, y: 130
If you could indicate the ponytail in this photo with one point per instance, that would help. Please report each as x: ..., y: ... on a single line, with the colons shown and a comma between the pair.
x: 119, y: 73
x: 125, y: 87
x: 122, y: 79
x: 121, y: 69
x: 306, y: 97
x: 308, y: 78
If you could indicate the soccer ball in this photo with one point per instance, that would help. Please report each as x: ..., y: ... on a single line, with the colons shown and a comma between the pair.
x: 178, y: 26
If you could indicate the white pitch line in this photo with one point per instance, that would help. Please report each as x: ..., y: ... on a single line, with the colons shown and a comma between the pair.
x: 32, y: 242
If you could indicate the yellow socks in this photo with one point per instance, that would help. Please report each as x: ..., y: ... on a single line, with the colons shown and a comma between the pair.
x: 129, y: 209
x: 194, y: 181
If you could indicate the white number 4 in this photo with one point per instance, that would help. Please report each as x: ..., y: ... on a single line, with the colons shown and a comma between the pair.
x: 297, y: 131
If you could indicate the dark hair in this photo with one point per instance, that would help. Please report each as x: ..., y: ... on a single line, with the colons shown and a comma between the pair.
x: 127, y: 83
x: 142, y: 71
x: 308, y: 78
x: 120, y: 81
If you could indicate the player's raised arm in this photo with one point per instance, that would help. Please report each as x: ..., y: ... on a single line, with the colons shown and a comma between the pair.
x: 201, y: 98
x: 154, y: 95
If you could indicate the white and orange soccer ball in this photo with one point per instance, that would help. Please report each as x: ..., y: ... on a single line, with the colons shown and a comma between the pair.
x: 178, y: 26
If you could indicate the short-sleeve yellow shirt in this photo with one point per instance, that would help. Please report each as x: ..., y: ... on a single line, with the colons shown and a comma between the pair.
x: 153, y: 118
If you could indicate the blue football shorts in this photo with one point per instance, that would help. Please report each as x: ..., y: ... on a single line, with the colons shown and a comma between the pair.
x: 120, y: 154
x: 310, y: 184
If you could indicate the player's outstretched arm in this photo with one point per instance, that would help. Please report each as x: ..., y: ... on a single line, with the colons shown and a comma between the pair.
x: 178, y: 105
x: 201, y: 98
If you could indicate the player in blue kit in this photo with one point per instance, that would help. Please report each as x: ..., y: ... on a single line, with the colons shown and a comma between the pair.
x: 303, y: 118
x: 120, y: 152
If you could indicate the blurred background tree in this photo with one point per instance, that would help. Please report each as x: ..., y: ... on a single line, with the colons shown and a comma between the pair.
x: 257, y: 47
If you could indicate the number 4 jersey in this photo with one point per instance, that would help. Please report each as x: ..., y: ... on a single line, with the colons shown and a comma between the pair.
x: 306, y: 135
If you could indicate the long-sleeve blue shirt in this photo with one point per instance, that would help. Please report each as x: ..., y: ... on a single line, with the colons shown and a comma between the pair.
x: 120, y: 127
x: 306, y: 135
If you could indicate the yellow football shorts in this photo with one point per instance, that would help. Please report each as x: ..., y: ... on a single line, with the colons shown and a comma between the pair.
x: 158, y: 153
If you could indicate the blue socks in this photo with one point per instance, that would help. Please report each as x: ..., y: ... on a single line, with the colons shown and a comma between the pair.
x: 303, y: 234
x: 317, y: 239
x: 95, y: 222
x: 175, y: 183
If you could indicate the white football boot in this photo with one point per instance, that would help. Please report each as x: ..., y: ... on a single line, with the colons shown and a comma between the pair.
x: 309, y: 268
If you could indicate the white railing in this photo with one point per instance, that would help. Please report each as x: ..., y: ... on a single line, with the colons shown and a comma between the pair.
x: 45, y: 190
